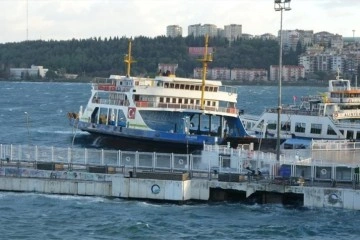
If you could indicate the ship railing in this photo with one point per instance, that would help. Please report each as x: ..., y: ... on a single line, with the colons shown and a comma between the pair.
x: 347, y: 125
x: 152, y: 104
x: 104, y: 81
x: 293, y: 111
x: 228, y: 89
x: 250, y: 117
x: 342, y: 145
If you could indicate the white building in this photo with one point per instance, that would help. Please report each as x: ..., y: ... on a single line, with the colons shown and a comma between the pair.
x: 289, y: 73
x: 290, y: 39
x: 210, y: 30
x: 220, y: 73
x: 267, y: 36
x: 232, y: 31
x: 337, y: 42
x: 243, y: 74
x: 194, y: 30
x: 33, y: 72
x: 173, y: 31
x: 198, y: 73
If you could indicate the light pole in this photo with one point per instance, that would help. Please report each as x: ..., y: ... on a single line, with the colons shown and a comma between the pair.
x: 280, y: 5
x: 353, y: 68
x: 28, y: 127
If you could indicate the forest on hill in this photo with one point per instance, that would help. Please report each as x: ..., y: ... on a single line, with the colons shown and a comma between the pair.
x: 102, y: 57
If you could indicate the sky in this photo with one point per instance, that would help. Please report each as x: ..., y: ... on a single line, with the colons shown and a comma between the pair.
x: 82, y: 19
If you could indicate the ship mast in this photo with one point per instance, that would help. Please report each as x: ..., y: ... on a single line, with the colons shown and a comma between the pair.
x: 128, y: 60
x: 205, y: 60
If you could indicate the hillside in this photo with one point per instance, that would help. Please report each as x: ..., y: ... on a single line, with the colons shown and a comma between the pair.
x: 102, y: 57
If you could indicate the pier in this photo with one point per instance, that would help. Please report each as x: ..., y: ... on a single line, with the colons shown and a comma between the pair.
x: 327, y: 175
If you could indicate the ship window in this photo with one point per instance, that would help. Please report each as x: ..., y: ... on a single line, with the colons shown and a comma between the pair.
x: 168, y: 100
x: 357, y: 135
x: 166, y: 85
x: 271, y: 126
x: 171, y: 85
x: 208, y: 103
x: 300, y: 127
x: 330, y: 131
x: 161, y: 99
x: 186, y: 101
x: 197, y: 102
x: 214, y: 104
x: 177, y: 86
x: 349, y: 134
x: 206, y: 88
x: 180, y: 100
x: 197, y: 88
x: 192, y: 87
x: 182, y: 86
x: 187, y: 87
x: 315, y: 128
x: 285, y: 126
x: 174, y: 100
x: 103, y: 115
x: 191, y: 101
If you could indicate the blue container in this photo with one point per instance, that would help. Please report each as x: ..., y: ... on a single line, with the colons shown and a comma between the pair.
x: 285, y: 171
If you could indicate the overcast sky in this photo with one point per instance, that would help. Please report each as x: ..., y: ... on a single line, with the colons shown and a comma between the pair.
x: 81, y: 19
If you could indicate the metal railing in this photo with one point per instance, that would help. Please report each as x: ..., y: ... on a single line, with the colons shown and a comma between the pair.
x: 82, y: 158
x: 214, y: 160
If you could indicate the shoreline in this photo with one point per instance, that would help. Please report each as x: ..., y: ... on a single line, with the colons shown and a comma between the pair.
x: 230, y: 83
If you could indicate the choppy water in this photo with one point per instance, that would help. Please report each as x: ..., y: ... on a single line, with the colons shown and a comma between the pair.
x: 37, y: 216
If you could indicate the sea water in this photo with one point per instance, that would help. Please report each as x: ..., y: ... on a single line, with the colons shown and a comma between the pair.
x: 36, y: 113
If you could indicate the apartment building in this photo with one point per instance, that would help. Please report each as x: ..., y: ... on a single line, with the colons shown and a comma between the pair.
x: 194, y: 30
x: 209, y: 29
x: 337, y: 42
x: 198, y: 73
x: 173, y: 31
x: 219, y: 73
x: 306, y: 37
x: 322, y: 62
x: 232, y: 31
x: 289, y: 73
x: 267, y: 36
x: 243, y: 74
x: 290, y: 39
x: 213, y: 73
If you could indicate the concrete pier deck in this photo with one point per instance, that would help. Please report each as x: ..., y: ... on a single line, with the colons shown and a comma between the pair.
x: 218, y: 174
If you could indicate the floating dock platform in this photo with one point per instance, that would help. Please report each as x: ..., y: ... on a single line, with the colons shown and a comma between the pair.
x: 327, y: 175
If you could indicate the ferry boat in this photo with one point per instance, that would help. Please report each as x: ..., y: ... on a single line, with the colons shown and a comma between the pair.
x: 334, y: 115
x: 165, y: 113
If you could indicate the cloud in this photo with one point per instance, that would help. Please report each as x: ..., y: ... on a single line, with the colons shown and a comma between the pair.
x: 66, y: 19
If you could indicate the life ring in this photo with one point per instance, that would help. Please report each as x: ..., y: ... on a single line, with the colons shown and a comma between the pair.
x: 336, y: 115
x: 131, y: 112
x: 155, y: 189
x: 181, y: 162
x: 323, y: 171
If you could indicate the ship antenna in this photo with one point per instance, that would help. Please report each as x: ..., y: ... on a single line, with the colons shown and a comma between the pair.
x: 128, y: 60
x: 205, y: 60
